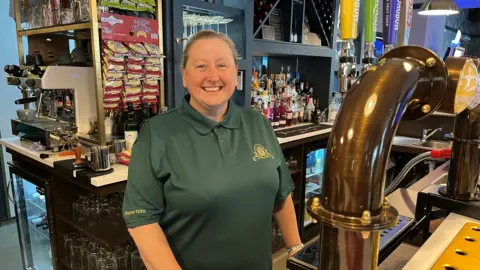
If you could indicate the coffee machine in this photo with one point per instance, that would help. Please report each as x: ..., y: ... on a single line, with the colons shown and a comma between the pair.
x: 65, y: 106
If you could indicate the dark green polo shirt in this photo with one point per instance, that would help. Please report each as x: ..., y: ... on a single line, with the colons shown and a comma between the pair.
x: 211, y: 186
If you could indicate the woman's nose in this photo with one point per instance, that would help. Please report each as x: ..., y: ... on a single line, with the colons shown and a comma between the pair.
x: 213, y: 74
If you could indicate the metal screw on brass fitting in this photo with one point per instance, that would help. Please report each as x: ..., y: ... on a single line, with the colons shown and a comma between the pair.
x: 431, y: 62
x: 386, y: 202
x: 365, y: 235
x: 366, y: 217
x: 315, y: 203
x: 426, y: 108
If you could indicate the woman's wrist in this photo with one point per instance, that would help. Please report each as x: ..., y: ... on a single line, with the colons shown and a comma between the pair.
x: 295, y: 249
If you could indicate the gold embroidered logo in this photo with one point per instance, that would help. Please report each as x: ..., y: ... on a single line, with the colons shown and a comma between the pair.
x: 260, y: 152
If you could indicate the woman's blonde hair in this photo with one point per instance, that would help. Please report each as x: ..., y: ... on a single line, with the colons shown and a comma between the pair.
x: 208, y: 34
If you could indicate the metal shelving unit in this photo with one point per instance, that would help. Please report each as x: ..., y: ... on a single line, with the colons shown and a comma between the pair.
x: 94, y: 23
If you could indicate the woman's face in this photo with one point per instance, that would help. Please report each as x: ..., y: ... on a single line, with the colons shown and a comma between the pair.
x: 210, y: 73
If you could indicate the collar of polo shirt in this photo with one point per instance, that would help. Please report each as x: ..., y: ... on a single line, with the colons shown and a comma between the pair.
x: 204, y: 125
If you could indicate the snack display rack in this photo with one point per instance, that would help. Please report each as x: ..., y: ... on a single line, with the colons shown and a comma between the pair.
x: 41, y: 34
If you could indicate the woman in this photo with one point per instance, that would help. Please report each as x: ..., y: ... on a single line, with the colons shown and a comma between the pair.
x: 204, y: 179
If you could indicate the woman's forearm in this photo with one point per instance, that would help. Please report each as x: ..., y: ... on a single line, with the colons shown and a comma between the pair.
x: 287, y: 221
x: 154, y: 247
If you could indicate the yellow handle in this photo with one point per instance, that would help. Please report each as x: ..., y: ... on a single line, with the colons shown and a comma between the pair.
x: 349, y: 15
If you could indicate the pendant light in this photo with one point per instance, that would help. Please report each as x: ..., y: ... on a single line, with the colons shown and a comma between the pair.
x: 439, y: 8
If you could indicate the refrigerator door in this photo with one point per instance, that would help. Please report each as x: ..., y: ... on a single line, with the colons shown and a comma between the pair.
x: 314, y: 165
x: 32, y: 222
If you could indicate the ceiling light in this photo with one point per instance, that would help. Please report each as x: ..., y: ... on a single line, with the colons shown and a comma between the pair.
x: 439, y: 8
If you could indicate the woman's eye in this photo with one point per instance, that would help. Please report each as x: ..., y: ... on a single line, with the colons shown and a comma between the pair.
x: 201, y: 66
x: 222, y: 65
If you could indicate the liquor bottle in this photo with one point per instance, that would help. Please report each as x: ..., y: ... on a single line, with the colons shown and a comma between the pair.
x: 294, y: 113
x: 146, y: 115
x: 131, y: 128
x: 283, y: 114
x: 310, y: 109
x: 314, y: 112
x: 276, y: 115
x: 301, y: 109
x: 289, y: 113
x: 305, y: 109
x: 270, y: 113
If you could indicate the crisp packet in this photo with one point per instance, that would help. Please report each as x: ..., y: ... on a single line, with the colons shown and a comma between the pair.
x: 112, y: 85
x: 151, y: 91
x: 153, y: 75
x: 117, y: 47
x: 134, y: 68
x: 137, y: 49
x: 152, y: 49
x: 134, y: 91
x: 111, y: 106
x: 109, y: 75
x: 133, y: 99
x: 112, y: 59
x: 112, y: 94
x: 145, y: 7
x: 135, y: 76
x: 149, y: 99
x: 153, y: 61
x: 135, y: 60
x: 153, y: 69
x: 112, y: 100
x: 133, y: 83
x: 115, y: 67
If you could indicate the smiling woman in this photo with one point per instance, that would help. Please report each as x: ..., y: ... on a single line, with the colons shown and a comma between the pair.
x: 205, y: 179
x: 209, y: 70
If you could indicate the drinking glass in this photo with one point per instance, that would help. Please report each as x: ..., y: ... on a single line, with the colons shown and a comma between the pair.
x: 137, y: 263
x: 76, y: 249
x: 108, y: 265
x: 120, y: 259
x: 67, y: 242
x: 92, y: 259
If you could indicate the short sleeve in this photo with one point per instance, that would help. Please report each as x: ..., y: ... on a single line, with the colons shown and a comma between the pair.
x: 285, y: 178
x: 143, y: 202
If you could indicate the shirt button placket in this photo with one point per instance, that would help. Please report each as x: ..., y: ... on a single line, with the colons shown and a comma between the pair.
x: 223, y: 142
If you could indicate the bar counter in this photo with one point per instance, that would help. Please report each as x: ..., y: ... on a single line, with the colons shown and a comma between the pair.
x: 66, y: 185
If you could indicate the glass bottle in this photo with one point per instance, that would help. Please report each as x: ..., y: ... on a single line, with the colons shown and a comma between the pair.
x: 289, y: 113
x: 145, y: 116
x: 131, y: 128
x: 310, y: 109
x: 276, y: 115
x: 283, y: 114
x: 294, y: 113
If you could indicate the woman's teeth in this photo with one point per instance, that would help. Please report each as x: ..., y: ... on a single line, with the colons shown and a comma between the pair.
x: 212, y: 89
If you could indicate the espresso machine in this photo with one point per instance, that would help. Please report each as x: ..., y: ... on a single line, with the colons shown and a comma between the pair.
x: 65, y: 105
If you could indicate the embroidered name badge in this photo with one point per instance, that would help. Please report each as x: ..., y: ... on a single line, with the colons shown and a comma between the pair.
x: 260, y: 152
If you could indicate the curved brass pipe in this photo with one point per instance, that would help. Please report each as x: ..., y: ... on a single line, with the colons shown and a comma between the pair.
x: 408, y: 82
x: 362, y: 135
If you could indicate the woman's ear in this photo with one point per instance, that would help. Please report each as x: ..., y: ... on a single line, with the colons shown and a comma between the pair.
x: 183, y: 77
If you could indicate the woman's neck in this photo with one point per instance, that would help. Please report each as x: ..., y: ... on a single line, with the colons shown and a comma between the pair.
x: 215, y: 113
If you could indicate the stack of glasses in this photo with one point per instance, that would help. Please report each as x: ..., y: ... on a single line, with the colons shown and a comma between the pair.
x: 83, y: 254
x: 90, y: 208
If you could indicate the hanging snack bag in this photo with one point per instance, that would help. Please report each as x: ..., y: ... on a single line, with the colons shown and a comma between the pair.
x: 117, y: 48
x: 137, y: 48
x: 112, y: 85
x: 153, y: 50
x: 135, y: 60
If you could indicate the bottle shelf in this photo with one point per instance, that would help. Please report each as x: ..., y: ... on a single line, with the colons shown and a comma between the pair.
x: 263, y: 47
x: 54, y: 29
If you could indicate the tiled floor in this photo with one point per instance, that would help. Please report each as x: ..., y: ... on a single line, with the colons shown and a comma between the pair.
x: 9, y: 248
